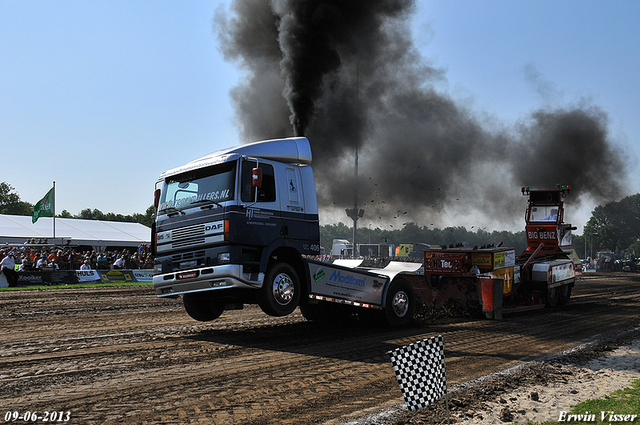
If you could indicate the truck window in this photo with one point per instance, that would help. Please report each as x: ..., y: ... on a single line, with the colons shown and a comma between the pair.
x: 292, y: 184
x: 208, y: 185
x: 268, y: 191
x: 548, y: 213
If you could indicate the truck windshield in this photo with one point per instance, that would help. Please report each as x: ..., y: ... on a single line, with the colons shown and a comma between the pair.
x: 547, y: 213
x: 210, y: 185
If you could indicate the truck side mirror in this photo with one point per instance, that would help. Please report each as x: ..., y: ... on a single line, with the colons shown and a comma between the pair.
x: 156, y: 198
x: 154, y: 239
x: 256, y: 178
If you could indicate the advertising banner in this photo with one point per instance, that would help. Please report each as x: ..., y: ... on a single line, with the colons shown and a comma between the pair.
x: 53, y: 277
x: 117, y: 276
x: 69, y: 277
x: 87, y: 276
x: 404, y: 250
x: 340, y: 282
x: 481, y: 259
x: 505, y: 274
x: 143, y: 275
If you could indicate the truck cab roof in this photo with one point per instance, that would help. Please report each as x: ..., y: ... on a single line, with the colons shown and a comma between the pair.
x: 291, y: 150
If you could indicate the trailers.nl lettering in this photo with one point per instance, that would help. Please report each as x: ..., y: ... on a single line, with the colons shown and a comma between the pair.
x: 218, y: 195
x: 347, y: 279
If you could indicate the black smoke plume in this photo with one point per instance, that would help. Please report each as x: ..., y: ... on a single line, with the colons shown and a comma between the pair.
x: 347, y: 74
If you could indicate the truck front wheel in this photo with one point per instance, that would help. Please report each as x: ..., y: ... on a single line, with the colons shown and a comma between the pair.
x: 400, y: 303
x: 202, y: 306
x: 280, y: 292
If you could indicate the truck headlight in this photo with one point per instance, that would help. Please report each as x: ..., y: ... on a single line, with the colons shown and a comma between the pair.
x: 224, y: 257
x: 157, y: 268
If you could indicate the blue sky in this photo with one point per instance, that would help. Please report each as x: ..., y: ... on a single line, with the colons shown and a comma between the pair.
x: 102, y: 96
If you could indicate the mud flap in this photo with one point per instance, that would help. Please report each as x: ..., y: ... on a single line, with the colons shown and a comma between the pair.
x: 492, y: 290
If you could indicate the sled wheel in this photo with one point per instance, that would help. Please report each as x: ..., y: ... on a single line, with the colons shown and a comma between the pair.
x: 565, y: 294
x: 202, y: 306
x: 280, y: 292
x: 400, y: 303
x: 553, y: 297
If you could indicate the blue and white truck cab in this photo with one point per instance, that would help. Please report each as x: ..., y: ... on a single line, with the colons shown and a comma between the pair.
x: 232, y: 220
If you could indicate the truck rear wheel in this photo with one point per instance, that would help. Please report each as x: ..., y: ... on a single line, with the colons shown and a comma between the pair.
x: 202, y: 306
x: 311, y: 312
x: 280, y: 292
x: 325, y: 312
x: 400, y: 303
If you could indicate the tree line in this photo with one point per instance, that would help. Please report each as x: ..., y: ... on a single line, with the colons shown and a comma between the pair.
x: 613, y: 227
x: 412, y: 233
x: 11, y: 204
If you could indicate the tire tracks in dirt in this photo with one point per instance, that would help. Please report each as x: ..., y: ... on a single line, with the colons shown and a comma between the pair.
x: 126, y: 356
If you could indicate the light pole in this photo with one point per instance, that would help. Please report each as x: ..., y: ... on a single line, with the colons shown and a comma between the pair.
x: 355, y: 213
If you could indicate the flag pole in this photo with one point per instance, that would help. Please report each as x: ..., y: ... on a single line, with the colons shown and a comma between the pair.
x: 54, y: 209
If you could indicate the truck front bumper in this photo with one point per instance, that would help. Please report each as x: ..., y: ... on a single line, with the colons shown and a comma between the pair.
x: 205, y: 279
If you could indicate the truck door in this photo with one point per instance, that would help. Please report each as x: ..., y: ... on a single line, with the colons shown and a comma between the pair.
x: 262, y: 223
x: 292, y: 205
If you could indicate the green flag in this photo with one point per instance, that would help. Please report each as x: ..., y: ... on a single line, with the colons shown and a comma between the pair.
x: 44, y: 207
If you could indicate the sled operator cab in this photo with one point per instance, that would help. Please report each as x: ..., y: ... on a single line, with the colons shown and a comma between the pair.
x: 544, y: 214
x: 547, y: 233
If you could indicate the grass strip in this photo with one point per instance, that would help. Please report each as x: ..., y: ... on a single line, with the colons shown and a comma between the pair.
x: 76, y: 286
x: 620, y: 407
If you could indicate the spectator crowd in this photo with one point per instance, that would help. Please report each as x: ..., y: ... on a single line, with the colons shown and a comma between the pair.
x: 38, y: 255
x: 33, y: 256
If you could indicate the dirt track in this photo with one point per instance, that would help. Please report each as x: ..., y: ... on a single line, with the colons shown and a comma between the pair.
x: 126, y: 356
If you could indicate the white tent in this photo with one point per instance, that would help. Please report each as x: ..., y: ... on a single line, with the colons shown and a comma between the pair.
x: 16, y: 229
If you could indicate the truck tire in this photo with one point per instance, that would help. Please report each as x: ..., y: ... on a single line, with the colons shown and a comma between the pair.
x: 202, y: 306
x: 280, y: 292
x: 400, y: 303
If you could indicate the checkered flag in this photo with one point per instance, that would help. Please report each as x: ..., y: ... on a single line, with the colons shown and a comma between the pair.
x: 420, y: 370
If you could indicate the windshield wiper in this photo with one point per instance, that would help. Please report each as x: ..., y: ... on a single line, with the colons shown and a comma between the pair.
x: 206, y: 203
x: 171, y: 211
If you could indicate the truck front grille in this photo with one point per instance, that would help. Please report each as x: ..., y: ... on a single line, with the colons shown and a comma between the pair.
x: 193, y: 236
x: 188, y: 236
x: 188, y: 232
x: 187, y: 256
